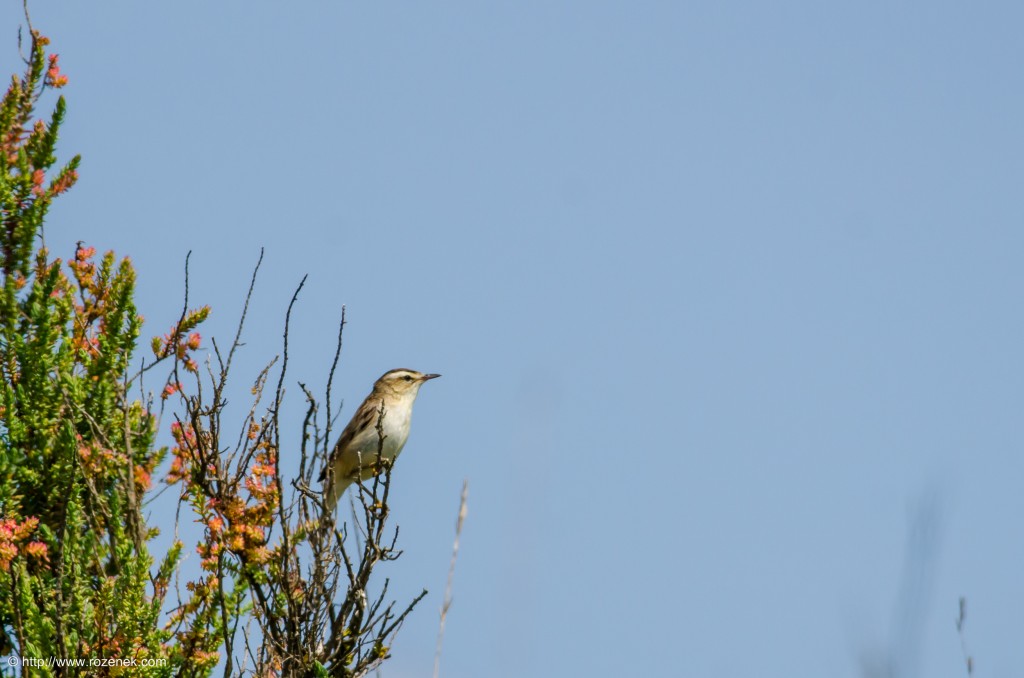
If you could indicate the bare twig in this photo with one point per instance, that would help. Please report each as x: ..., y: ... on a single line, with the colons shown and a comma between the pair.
x: 245, y: 310
x: 330, y: 382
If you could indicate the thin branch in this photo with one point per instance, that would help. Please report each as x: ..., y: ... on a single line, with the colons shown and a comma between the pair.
x: 330, y: 382
x: 245, y: 312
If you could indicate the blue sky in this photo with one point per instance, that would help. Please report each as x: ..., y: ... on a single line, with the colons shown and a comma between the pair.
x: 726, y: 297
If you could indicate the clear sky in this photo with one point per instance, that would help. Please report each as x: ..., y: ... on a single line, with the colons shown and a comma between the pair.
x: 726, y: 297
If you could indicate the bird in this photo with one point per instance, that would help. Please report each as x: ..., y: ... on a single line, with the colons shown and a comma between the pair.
x: 354, y: 456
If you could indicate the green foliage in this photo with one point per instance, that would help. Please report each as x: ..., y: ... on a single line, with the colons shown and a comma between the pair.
x: 77, y: 453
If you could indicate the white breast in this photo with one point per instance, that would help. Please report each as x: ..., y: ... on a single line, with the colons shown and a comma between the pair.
x: 396, y: 431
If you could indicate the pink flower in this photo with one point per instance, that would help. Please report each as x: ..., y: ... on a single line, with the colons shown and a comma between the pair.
x: 54, y: 78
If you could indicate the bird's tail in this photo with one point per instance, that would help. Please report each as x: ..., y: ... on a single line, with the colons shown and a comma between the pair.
x: 333, y: 492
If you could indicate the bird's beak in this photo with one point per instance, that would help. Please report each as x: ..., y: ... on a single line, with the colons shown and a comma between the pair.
x: 428, y: 377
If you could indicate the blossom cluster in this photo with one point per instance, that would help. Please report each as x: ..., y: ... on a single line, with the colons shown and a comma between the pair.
x: 14, y: 540
x: 180, y: 343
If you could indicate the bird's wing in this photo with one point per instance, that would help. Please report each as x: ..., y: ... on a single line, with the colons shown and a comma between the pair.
x: 363, y: 419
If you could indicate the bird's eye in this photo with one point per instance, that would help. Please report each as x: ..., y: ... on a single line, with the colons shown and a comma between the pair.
x: 407, y: 377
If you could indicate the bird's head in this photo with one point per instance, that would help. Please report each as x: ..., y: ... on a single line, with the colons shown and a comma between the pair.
x: 402, y: 382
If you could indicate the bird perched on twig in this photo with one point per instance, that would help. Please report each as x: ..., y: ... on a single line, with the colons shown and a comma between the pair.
x: 355, y: 454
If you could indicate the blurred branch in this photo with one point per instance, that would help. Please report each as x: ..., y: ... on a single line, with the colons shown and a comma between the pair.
x: 961, y: 618
x: 446, y: 605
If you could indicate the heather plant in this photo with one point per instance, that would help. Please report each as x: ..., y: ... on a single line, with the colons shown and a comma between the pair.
x: 76, y: 455
x: 279, y: 588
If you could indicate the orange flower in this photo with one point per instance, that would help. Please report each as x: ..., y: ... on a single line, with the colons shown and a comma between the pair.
x: 38, y: 550
x: 142, y: 478
x: 7, y: 553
